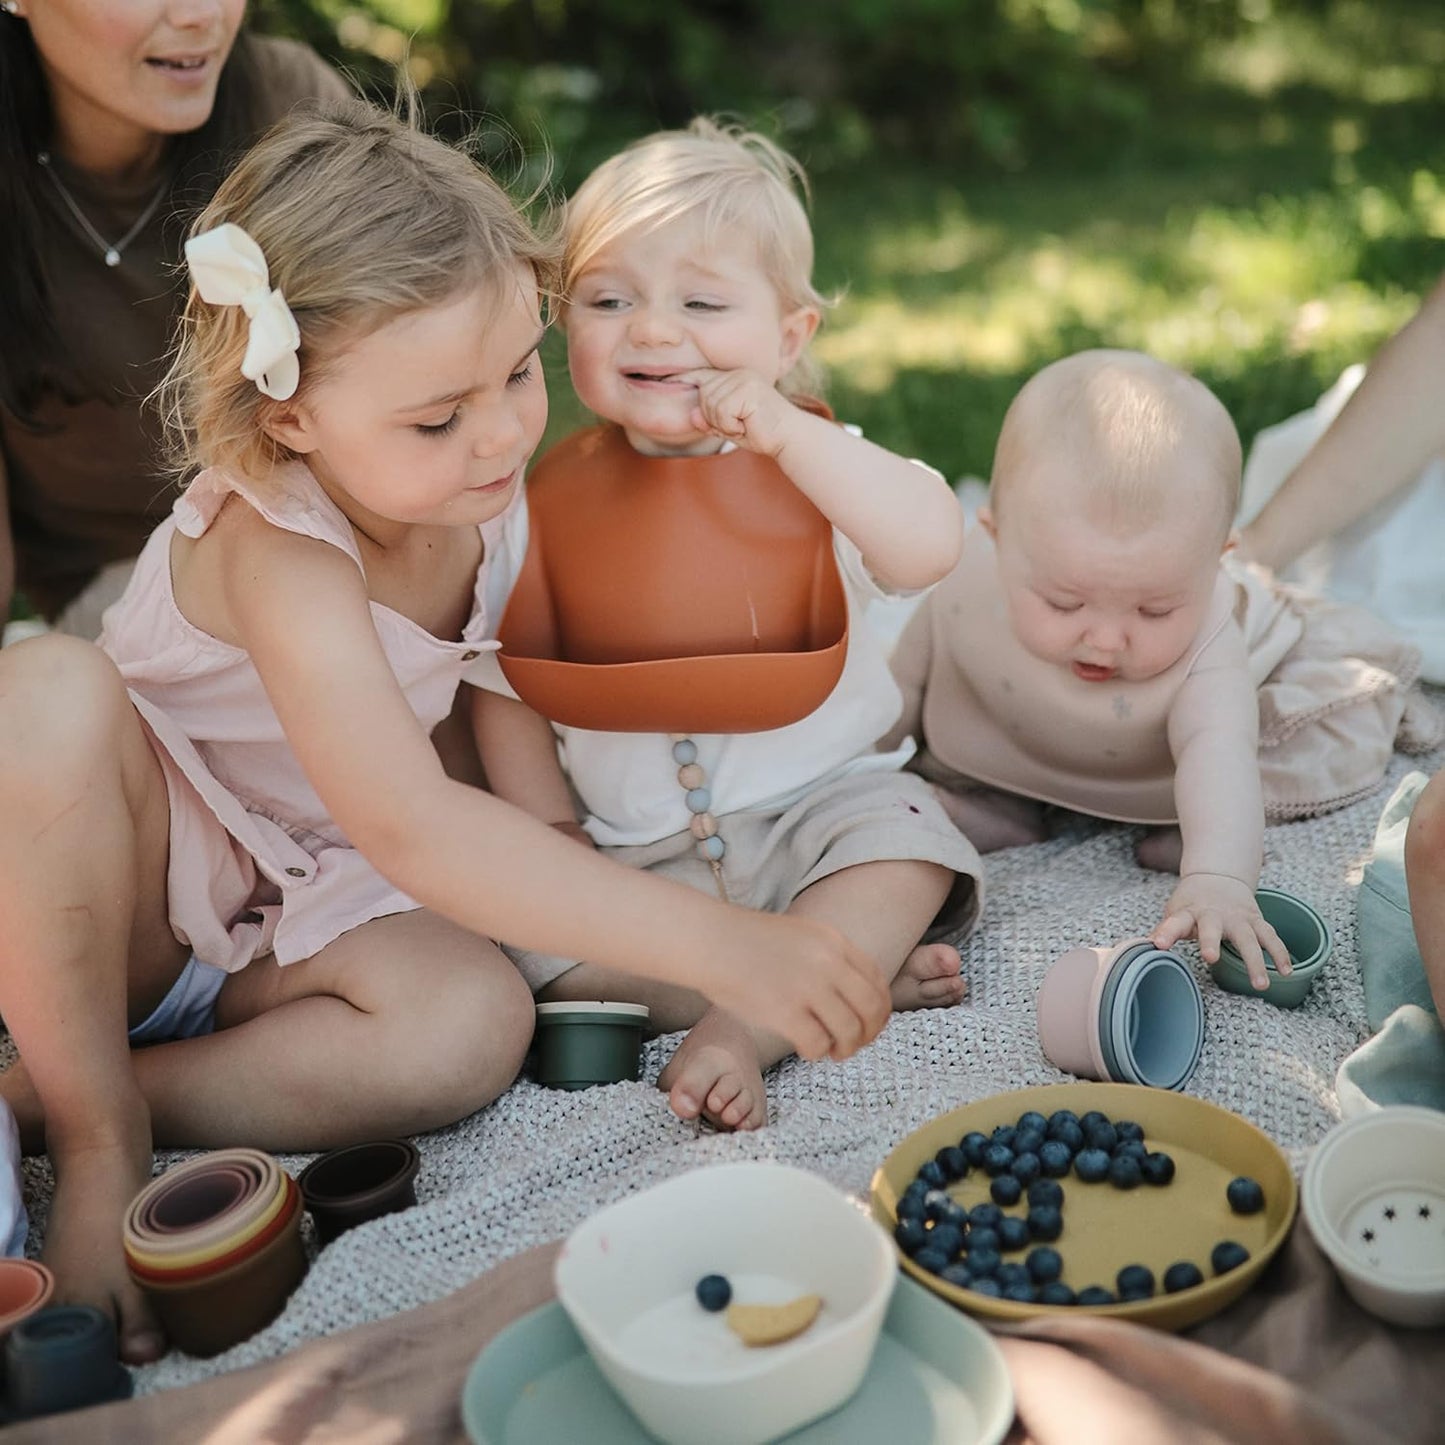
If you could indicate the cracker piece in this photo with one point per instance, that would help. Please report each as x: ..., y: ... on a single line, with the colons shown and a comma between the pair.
x: 772, y: 1324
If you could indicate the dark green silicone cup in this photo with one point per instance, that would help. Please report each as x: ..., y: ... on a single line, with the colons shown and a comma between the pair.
x: 578, y: 1045
x: 1302, y: 930
x: 62, y: 1358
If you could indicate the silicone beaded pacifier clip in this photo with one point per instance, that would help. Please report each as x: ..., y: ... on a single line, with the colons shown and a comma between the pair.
x: 693, y: 778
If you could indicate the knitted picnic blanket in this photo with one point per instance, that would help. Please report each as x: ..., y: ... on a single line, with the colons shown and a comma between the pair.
x: 538, y: 1161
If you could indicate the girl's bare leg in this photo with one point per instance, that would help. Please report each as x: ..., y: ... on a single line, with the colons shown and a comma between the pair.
x: 883, y: 907
x: 1425, y: 874
x: 83, y: 853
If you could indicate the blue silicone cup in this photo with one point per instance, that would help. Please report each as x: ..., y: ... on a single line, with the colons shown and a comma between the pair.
x: 1151, y: 1019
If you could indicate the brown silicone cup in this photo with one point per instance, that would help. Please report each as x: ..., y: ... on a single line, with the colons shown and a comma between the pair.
x: 363, y: 1181
x: 204, y: 1317
x: 719, y: 608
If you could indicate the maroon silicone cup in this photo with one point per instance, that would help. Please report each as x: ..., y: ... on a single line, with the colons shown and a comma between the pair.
x: 363, y: 1181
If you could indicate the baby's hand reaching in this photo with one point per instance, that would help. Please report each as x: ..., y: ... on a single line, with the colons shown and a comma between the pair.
x: 742, y: 406
x: 798, y: 978
x: 1213, y: 906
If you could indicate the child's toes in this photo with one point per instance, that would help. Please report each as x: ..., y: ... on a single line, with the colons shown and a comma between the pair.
x: 733, y: 1104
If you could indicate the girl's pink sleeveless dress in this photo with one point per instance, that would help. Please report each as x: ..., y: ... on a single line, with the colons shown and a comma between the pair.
x: 256, y: 861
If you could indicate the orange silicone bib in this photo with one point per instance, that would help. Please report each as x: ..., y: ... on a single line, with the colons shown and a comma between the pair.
x: 672, y: 594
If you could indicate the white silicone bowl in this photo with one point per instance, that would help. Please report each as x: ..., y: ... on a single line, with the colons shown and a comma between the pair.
x: 1374, y: 1196
x: 626, y: 1277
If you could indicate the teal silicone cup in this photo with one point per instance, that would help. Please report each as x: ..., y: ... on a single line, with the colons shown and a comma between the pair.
x: 1131, y: 1014
x: 578, y: 1045
x: 1304, y: 933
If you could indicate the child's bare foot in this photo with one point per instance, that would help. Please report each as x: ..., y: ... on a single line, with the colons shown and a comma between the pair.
x: 991, y: 819
x: 931, y: 977
x: 93, y: 1188
x: 1161, y: 849
x: 715, y: 1073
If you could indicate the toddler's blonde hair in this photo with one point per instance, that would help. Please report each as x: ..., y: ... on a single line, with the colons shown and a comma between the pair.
x: 733, y: 180
x: 362, y: 218
x: 1125, y: 419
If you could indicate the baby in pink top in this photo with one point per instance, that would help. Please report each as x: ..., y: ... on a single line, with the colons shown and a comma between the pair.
x: 1085, y: 651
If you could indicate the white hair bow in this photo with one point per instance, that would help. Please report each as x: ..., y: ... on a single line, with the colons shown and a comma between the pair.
x: 229, y: 270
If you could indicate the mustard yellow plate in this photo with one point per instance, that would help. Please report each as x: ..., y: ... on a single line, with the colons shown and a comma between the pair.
x: 1107, y: 1228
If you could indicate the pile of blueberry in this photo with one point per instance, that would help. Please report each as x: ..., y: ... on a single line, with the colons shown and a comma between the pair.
x: 1025, y: 1161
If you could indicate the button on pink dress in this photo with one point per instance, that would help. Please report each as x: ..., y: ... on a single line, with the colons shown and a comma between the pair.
x: 256, y: 861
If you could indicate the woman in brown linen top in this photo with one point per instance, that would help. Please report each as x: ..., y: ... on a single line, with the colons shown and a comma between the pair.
x: 136, y: 110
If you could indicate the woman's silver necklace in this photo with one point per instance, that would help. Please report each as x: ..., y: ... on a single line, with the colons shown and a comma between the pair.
x: 110, y: 250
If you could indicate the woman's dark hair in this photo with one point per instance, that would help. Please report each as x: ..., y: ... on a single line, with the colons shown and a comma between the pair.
x: 30, y: 352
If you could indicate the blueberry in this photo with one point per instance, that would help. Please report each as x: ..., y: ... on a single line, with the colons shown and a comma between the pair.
x: 1055, y: 1292
x: 1095, y: 1294
x: 1070, y: 1132
x: 1032, y: 1119
x: 1102, y: 1136
x: 1013, y: 1233
x: 916, y: 1190
x: 1245, y: 1195
x: 997, y: 1160
x: 1021, y: 1291
x: 957, y: 1274
x: 985, y: 1216
x: 1028, y: 1141
x: 1124, y: 1172
x: 983, y: 1263
x: 1092, y: 1119
x: 1006, y: 1189
x: 936, y: 1204
x: 935, y: 1261
x: 1129, y: 1131
x: 1157, y: 1168
x: 1044, y: 1264
x: 910, y: 1207
x: 1183, y: 1275
x: 1055, y: 1157
x: 973, y: 1144
x: 713, y: 1292
x: 952, y: 1161
x: 1012, y: 1272
x: 954, y: 1213
x: 1058, y: 1119
x: 1025, y: 1167
x: 1131, y: 1149
x: 984, y: 1238
x: 1045, y: 1221
x: 1005, y: 1134
x: 990, y: 1287
x: 1091, y: 1165
x: 1046, y: 1191
x: 932, y: 1175
x: 910, y: 1234
x: 1227, y: 1255
x: 947, y: 1238
x: 1135, y: 1281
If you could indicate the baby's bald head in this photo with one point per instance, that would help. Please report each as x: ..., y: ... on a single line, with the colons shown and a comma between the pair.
x: 1131, y: 441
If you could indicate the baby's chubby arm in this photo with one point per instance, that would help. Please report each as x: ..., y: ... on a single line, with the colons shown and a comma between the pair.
x: 1214, y: 737
x: 902, y: 517
x: 483, y: 863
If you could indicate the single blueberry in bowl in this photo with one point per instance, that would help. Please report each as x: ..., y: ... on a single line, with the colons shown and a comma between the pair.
x: 1245, y: 1195
x: 910, y: 1207
x: 948, y: 1238
x: 984, y: 1238
x: 1046, y: 1191
x: 997, y: 1159
x: 1028, y: 1141
x: 1131, y: 1149
x: 1013, y: 1233
x: 1032, y: 1119
x: 1044, y: 1264
x: 1058, y: 1119
x: 986, y: 1286
x: 1124, y: 1172
x: 1091, y: 1165
x: 1129, y: 1131
x: 957, y: 1274
x: 1005, y: 1134
x: 955, y: 1214
x: 1022, y: 1291
x: 1045, y: 1221
x: 985, y: 1216
x: 1068, y: 1131
x: 713, y: 1292
x: 1055, y: 1292
x: 936, y: 1204
x: 910, y: 1234
x: 1094, y: 1294
x: 1227, y: 1255
x: 983, y: 1263
x: 1157, y: 1168
x: 1011, y: 1272
x: 1135, y: 1281
x: 935, y: 1261
x: 1006, y: 1189
x: 1102, y: 1136
x: 1184, y: 1274
x: 952, y: 1161
x: 973, y: 1144
x: 1025, y: 1167
x: 1055, y: 1157
x: 932, y: 1174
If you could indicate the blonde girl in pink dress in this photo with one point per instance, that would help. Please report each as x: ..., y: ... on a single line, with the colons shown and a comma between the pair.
x: 227, y: 828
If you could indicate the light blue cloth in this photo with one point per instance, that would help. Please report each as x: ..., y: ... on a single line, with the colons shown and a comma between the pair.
x: 188, y: 1010
x: 1403, y: 1064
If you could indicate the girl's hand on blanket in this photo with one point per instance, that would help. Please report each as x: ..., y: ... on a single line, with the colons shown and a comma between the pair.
x: 1212, y: 907
x: 801, y: 979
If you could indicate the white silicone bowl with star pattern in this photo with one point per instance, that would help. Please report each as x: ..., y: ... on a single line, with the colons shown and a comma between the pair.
x: 1374, y: 1197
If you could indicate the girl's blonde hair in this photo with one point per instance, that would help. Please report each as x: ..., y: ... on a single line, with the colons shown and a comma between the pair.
x: 361, y: 218
x: 731, y: 179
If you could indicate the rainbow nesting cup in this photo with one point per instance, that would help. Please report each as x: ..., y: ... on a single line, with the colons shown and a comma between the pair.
x: 216, y: 1245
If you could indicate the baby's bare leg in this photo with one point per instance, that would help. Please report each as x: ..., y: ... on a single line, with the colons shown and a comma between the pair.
x: 1160, y: 849
x: 991, y: 819
x: 883, y: 907
x: 1425, y: 874
x: 83, y: 852
x: 404, y: 1024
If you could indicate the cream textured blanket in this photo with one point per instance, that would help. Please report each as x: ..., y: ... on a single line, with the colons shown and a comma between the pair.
x: 530, y: 1167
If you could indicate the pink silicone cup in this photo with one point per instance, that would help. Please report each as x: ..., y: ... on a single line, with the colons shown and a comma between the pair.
x: 1068, y: 1009
x: 151, y: 1221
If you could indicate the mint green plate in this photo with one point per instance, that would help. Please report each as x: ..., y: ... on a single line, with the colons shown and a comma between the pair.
x: 937, y: 1378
